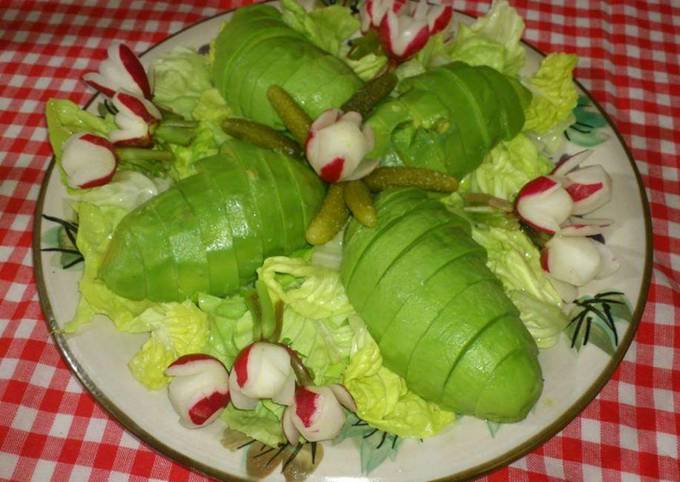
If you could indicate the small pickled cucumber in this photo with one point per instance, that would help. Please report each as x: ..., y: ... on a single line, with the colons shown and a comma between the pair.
x: 360, y: 203
x: 293, y: 116
x: 367, y: 97
x: 331, y: 217
x: 261, y: 135
x: 427, y: 179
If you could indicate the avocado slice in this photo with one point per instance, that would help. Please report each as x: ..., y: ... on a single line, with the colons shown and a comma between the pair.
x: 154, y: 249
x: 261, y: 198
x: 486, y: 99
x: 391, y: 205
x: 246, y: 227
x: 450, y: 334
x: 122, y: 268
x: 481, y: 356
x: 268, y: 196
x: 408, y: 275
x: 395, y: 242
x: 234, y: 36
x: 322, y: 83
x: 415, y: 317
x: 244, y: 65
x: 512, y: 390
x: 511, y: 112
x: 310, y: 193
x: 391, y: 244
x: 187, y: 248
x: 463, y: 109
x: 277, y: 65
x: 215, y: 231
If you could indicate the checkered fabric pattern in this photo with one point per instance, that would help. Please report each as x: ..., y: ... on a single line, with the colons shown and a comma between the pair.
x: 51, y: 429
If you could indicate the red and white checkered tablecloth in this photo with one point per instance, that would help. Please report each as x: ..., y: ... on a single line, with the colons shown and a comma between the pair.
x: 51, y: 429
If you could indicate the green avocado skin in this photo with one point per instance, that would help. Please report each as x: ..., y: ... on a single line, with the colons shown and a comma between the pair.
x: 211, y: 231
x: 439, y: 315
x: 449, y: 117
x: 256, y: 49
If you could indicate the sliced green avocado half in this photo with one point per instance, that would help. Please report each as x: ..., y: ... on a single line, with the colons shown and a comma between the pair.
x: 415, y: 318
x: 186, y: 244
x: 408, y: 276
x: 215, y: 232
x: 155, y: 250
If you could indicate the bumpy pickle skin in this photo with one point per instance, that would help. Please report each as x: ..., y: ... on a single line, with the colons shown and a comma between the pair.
x: 426, y: 179
x: 360, y: 203
x: 293, y: 116
x: 261, y: 135
x: 370, y: 94
x: 331, y: 217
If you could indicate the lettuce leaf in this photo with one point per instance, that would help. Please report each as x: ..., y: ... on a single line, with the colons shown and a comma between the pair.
x: 231, y: 326
x: 262, y: 424
x: 176, y: 329
x: 327, y: 28
x: 207, y: 141
x: 180, y: 77
x: 65, y: 118
x: 127, y: 190
x: 384, y: 401
x: 508, y: 167
x: 554, y: 98
x: 95, y: 225
x: 515, y: 261
x: 317, y: 294
x: 492, y: 40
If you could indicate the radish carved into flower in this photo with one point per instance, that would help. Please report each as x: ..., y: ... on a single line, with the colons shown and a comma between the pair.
x: 135, y: 118
x: 404, y: 28
x: 199, y: 389
x: 316, y: 413
x: 589, y: 187
x: 544, y: 204
x: 121, y: 71
x: 262, y: 371
x: 577, y: 226
x: 573, y: 260
x: 337, y: 144
x: 88, y: 160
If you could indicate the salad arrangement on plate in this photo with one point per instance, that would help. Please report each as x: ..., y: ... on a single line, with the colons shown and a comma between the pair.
x: 337, y: 222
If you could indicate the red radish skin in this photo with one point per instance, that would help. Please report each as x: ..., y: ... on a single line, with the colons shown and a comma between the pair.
x: 71, y: 155
x: 568, y: 163
x: 241, y: 365
x: 537, y: 186
x: 184, y: 359
x: 201, y: 411
x: 100, y: 141
x: 545, y: 260
x: 137, y: 107
x: 332, y: 171
x: 305, y: 405
x: 135, y: 69
x: 579, y: 192
x: 443, y: 20
x: 97, y: 86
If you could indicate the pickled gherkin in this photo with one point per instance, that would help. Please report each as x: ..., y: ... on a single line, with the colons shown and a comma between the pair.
x: 439, y: 315
x: 211, y: 231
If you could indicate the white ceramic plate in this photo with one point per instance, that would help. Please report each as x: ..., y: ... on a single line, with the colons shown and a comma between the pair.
x: 99, y: 354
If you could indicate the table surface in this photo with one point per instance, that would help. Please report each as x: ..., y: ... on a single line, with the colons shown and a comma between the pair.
x: 51, y: 428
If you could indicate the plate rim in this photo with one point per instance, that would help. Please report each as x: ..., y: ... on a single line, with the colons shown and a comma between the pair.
x: 502, y: 460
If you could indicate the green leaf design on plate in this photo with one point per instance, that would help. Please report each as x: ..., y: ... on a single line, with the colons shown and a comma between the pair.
x: 62, y: 239
x: 588, y: 121
x: 593, y: 320
x: 493, y: 427
x: 375, y: 446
